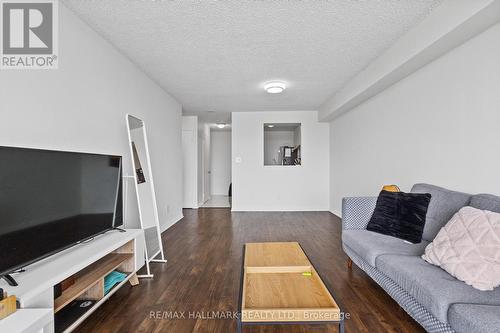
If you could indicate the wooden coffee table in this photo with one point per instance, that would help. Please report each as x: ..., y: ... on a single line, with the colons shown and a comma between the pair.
x: 279, y: 285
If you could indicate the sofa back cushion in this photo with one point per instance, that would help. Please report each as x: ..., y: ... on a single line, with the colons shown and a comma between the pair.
x: 486, y: 202
x: 444, y: 204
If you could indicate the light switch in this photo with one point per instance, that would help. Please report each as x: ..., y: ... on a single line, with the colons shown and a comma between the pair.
x: 237, y: 160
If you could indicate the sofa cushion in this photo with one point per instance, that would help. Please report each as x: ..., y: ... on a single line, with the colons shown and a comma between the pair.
x: 486, y: 202
x: 444, y: 204
x: 431, y: 286
x: 468, y: 247
x: 466, y: 318
x: 400, y: 215
x: 369, y: 245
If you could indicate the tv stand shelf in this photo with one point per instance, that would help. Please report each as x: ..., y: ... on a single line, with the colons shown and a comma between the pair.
x: 88, y: 264
x: 91, y: 279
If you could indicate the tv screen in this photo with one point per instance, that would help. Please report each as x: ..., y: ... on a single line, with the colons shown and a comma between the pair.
x: 51, y: 200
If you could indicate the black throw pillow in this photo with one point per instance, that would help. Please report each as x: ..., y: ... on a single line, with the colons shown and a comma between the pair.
x: 400, y: 215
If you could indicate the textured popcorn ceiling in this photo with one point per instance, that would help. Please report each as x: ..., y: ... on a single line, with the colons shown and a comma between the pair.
x: 216, y: 55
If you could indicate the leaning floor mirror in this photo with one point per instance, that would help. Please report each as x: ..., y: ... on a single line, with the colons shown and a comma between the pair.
x: 144, y: 188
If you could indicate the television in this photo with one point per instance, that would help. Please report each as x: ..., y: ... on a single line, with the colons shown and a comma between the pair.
x: 52, y: 200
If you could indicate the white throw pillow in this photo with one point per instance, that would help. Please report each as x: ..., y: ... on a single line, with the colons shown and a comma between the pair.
x: 468, y: 247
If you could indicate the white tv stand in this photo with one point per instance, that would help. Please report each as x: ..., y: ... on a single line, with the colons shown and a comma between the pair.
x: 88, y: 262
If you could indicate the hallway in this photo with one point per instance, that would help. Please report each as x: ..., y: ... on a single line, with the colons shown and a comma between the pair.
x: 218, y: 201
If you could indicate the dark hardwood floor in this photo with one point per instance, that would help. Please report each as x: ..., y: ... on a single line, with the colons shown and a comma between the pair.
x: 204, y: 253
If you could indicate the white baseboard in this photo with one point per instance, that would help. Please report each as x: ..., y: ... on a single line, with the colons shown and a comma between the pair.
x: 336, y: 213
x: 170, y: 223
x: 245, y: 208
x: 257, y: 209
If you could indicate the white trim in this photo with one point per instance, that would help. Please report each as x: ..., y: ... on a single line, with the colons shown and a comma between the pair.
x: 171, y: 223
x: 259, y: 209
x: 335, y: 213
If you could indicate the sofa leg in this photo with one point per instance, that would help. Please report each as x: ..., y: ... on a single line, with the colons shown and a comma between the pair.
x: 349, y: 263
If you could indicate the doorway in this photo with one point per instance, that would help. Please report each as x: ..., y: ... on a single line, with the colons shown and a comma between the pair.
x: 219, y: 174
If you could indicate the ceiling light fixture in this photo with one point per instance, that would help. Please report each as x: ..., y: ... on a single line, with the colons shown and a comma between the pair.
x: 270, y: 125
x: 275, y: 87
x: 220, y: 125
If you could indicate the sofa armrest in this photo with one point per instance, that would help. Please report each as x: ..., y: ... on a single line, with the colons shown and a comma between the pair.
x: 357, y: 211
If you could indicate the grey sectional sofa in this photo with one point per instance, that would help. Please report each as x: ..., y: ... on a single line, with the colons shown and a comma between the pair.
x: 435, y: 299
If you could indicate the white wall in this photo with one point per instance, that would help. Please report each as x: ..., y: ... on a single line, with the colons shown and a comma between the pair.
x: 286, y: 188
x: 220, y: 162
x: 440, y: 125
x: 82, y: 105
x: 190, y: 161
x: 297, y: 136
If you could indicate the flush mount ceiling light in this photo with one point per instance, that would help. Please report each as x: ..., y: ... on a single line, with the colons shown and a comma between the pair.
x: 270, y: 125
x: 275, y: 87
x: 220, y: 125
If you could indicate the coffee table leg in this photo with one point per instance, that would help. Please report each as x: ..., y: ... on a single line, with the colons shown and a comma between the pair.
x: 341, y: 326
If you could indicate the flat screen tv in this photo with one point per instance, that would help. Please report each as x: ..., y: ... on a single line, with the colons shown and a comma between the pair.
x: 52, y: 200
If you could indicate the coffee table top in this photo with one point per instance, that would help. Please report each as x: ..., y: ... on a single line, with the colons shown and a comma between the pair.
x: 275, y: 257
x: 281, y: 285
